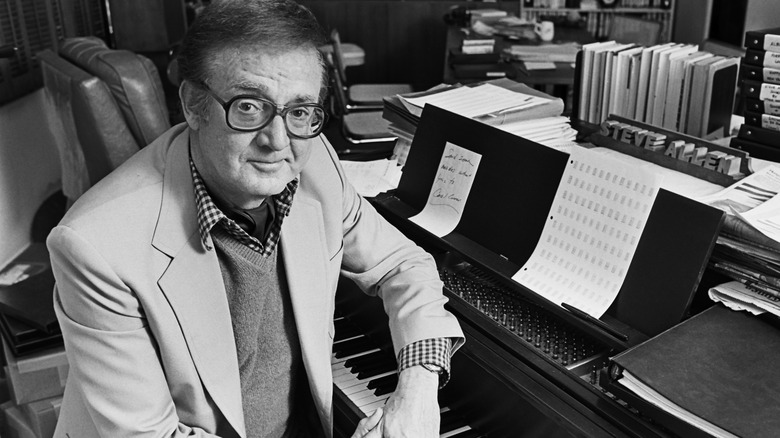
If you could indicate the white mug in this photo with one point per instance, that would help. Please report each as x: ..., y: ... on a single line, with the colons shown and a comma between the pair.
x: 545, y: 30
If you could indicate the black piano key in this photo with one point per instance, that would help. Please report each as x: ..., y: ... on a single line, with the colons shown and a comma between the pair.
x: 391, y: 379
x: 385, y: 389
x: 366, y: 360
x: 450, y: 421
x: 375, y: 370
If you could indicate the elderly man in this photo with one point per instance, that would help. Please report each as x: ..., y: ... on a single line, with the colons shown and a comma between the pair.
x: 196, y: 283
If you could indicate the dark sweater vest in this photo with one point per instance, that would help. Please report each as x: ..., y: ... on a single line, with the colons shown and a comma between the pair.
x: 273, y: 381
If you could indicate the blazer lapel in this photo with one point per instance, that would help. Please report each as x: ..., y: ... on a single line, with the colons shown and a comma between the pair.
x: 193, y: 285
x: 305, y: 266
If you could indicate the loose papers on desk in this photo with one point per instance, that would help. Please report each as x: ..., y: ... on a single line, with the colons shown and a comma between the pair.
x: 754, y: 199
x: 593, y: 229
x: 483, y: 101
x: 371, y: 178
x: 503, y: 108
x: 747, y: 247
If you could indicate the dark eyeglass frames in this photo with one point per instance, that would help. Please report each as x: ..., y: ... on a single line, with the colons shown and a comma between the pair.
x: 248, y: 113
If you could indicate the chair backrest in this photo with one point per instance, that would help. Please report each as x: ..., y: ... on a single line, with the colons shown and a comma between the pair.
x: 338, y: 57
x: 133, y: 80
x: 93, y: 138
x: 625, y: 29
x: 339, y: 100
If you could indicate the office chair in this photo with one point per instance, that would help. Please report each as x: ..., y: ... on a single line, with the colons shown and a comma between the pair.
x: 367, y: 129
x: 105, y: 105
x: 132, y: 79
x: 361, y: 96
x: 91, y: 134
x: 352, y: 54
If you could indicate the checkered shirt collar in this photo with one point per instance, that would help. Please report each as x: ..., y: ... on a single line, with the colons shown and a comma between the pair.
x: 210, y: 215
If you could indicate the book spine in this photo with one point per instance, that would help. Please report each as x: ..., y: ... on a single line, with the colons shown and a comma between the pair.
x: 763, y: 106
x: 762, y: 41
x: 762, y: 58
x: 760, y: 73
x: 759, y: 135
x: 766, y: 121
x: 761, y: 90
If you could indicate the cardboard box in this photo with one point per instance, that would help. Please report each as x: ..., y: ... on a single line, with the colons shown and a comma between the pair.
x: 42, y: 415
x: 36, y: 377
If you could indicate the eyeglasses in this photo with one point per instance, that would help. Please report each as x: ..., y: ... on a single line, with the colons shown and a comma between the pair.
x: 248, y: 113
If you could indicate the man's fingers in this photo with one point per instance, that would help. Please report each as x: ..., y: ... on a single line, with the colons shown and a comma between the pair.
x: 367, y: 426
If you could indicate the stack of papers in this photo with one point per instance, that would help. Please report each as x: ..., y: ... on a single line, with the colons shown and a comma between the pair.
x: 555, y: 132
x: 371, y: 178
x: 481, y: 102
x: 496, y: 102
x: 566, y: 52
x: 748, y: 248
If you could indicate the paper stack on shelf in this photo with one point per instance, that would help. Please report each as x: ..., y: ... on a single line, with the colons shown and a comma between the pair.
x: 496, y: 102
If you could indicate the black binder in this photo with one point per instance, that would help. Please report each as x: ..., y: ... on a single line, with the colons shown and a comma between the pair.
x: 719, y: 365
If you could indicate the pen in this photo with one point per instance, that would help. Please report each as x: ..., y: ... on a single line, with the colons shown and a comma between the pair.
x: 595, y: 321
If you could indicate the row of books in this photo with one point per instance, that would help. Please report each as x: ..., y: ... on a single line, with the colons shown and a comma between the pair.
x: 760, y: 86
x: 674, y: 86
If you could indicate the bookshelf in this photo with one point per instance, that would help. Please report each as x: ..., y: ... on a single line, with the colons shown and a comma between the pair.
x: 598, y: 19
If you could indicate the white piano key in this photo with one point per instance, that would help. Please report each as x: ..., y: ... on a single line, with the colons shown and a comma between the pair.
x: 367, y: 409
x: 455, y: 432
x: 346, y: 358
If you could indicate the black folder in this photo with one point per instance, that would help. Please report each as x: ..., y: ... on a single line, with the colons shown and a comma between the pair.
x: 719, y: 365
x: 30, y: 301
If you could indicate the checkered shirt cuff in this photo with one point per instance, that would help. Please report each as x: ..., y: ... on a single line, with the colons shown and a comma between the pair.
x: 435, y: 351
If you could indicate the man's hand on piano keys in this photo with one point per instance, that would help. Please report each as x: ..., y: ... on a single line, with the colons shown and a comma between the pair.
x: 413, y: 409
x: 367, y: 428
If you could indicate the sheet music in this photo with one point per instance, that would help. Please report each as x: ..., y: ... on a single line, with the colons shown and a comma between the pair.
x: 594, y: 226
x: 450, y: 191
x: 478, y: 101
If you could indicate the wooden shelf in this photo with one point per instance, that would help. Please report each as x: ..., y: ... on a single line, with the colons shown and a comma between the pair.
x: 604, y: 10
x: 598, y: 21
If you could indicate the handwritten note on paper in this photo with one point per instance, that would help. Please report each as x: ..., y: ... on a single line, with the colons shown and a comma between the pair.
x: 450, y: 190
x: 593, y: 228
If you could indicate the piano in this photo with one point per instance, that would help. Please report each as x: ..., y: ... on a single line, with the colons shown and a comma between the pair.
x: 529, y: 368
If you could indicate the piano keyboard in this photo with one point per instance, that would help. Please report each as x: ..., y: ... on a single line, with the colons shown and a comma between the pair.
x: 367, y: 376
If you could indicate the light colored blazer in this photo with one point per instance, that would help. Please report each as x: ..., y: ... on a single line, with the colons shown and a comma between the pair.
x: 144, y: 312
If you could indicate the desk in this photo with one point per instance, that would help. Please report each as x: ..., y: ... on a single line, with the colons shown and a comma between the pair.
x: 557, y: 82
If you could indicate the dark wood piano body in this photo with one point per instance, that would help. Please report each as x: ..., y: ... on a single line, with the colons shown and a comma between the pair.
x: 529, y: 368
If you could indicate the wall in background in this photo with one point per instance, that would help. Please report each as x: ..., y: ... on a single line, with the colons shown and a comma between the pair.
x: 29, y: 170
x: 403, y: 40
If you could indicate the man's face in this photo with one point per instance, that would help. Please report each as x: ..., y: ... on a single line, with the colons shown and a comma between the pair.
x: 243, y: 168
